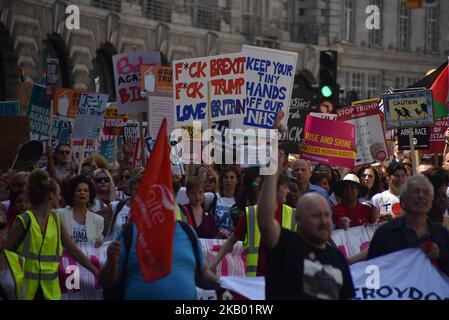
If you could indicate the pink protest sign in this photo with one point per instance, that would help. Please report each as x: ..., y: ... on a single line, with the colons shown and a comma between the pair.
x: 127, y: 79
x: 329, y: 142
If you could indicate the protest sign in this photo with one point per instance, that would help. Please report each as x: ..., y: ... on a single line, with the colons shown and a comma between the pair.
x: 39, y: 111
x: 14, y: 131
x: 365, y: 116
x: 89, y: 150
x: 127, y: 79
x: 328, y: 116
x: 9, y: 108
x: 66, y: 102
x: 113, y: 122
x: 23, y: 94
x: 299, y: 109
x: 90, y: 116
x: 408, y: 109
x: 156, y: 80
x: 354, y: 240
x: 158, y: 109
x: 402, y: 275
x: 329, y: 142
x: 218, y: 78
x: 420, y: 138
x: 437, y: 139
x: 107, y: 150
x: 269, y: 77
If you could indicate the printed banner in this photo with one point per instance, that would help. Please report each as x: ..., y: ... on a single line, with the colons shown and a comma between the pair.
x: 408, y: 109
x: 437, y: 139
x: 160, y: 108
x: 269, y: 77
x: 354, y: 240
x: 220, y: 77
x: 365, y: 116
x: 66, y: 102
x: 127, y: 79
x: 329, y: 142
x: 39, y: 111
x: 90, y: 117
x: 113, y: 122
x: 420, y: 139
x: 9, y: 108
x: 402, y: 275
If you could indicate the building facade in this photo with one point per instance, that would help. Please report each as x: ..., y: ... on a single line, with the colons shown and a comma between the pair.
x: 407, y: 44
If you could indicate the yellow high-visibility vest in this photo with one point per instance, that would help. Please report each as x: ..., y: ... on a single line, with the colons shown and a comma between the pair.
x: 16, y: 264
x: 179, y: 215
x: 252, y: 237
x: 41, y: 253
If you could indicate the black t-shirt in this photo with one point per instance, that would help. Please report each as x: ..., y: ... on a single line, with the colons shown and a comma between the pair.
x: 297, y: 270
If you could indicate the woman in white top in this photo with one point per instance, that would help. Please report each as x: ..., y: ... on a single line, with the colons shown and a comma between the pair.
x: 82, y: 224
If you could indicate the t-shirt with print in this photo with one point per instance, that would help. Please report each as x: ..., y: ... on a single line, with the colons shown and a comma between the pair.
x: 121, y: 219
x: 297, y: 270
x: 385, y: 201
x: 79, y: 233
x: 223, y: 217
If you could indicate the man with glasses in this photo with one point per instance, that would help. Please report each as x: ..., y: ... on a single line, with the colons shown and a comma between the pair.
x: 388, y: 201
x: 414, y: 229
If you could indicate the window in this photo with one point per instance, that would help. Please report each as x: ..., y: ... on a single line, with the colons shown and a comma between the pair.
x: 373, y: 86
x: 112, y: 5
x: 358, y: 84
x: 158, y: 10
x: 400, y: 82
x: 348, y: 23
x: 375, y: 35
x: 432, y: 29
x: 404, y: 20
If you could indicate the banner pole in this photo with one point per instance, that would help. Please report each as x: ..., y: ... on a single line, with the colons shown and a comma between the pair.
x: 115, y: 150
x: 83, y: 147
x: 50, y: 129
x: 412, y: 148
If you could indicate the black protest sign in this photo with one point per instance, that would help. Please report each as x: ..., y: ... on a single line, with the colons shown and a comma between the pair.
x: 420, y: 138
x: 300, y: 107
x: 14, y: 131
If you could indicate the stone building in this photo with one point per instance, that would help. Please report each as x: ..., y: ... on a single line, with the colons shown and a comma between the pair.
x: 407, y: 45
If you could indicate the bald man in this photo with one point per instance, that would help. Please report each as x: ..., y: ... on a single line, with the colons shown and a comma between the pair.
x: 301, y: 265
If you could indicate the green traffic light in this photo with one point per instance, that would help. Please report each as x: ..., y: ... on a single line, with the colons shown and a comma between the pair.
x: 326, y: 91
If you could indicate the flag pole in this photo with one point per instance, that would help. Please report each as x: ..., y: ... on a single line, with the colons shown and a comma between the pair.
x: 412, y: 149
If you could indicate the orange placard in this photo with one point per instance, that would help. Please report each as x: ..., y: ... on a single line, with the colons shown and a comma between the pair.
x: 66, y: 102
x: 156, y: 80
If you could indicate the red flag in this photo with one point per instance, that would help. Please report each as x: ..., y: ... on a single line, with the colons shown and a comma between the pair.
x: 153, y: 212
x: 440, y: 90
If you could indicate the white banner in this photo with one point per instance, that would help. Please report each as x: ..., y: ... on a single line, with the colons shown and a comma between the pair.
x: 402, y: 275
x: 350, y: 242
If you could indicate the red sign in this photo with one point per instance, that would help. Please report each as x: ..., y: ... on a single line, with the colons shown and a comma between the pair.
x: 437, y: 139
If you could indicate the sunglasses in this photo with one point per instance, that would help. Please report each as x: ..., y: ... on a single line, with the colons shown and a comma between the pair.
x: 64, y: 152
x: 102, y: 180
x: 125, y: 177
x: 3, y: 225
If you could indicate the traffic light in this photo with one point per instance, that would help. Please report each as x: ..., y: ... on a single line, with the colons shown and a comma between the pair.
x: 328, y: 86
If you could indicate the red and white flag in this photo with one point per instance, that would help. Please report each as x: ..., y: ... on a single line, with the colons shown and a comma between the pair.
x: 153, y: 212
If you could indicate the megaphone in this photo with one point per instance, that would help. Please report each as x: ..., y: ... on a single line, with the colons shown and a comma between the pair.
x: 29, y: 154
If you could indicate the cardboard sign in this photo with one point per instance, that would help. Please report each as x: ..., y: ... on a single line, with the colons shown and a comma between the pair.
x: 9, y: 108
x: 329, y: 142
x: 370, y: 142
x: 127, y: 79
x: 14, y: 131
x: 220, y: 77
x: 90, y: 116
x: 66, y: 102
x: 420, y: 138
x: 160, y: 108
x: 156, y: 80
x: 269, y: 77
x: 408, y: 109
x: 299, y: 109
x: 39, y: 111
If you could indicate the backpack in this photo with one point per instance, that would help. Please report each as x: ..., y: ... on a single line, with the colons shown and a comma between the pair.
x: 117, y: 292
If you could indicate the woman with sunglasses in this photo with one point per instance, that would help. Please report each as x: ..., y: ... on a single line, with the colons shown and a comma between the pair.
x: 122, y: 184
x: 83, y: 225
x: 105, y: 189
x: 40, y: 237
